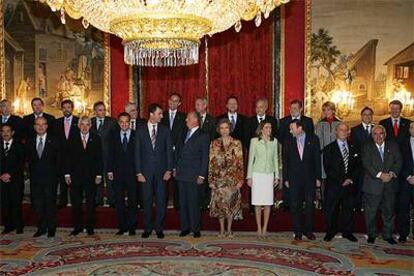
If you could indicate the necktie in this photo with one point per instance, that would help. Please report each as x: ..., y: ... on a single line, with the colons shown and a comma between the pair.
x: 171, y: 120
x: 345, y: 156
x: 367, y: 130
x: 153, y: 136
x: 125, y: 142
x: 188, y: 136
x: 300, y: 149
x: 100, y: 124
x: 260, y: 119
x: 395, y: 128
x: 40, y: 147
x: 381, y: 150
x: 202, y: 120
x: 233, y: 122
x: 6, y: 149
x: 84, y: 142
x: 133, y: 124
x: 67, y: 127
x: 4, y: 119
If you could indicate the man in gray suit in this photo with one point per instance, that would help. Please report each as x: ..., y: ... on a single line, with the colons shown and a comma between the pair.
x: 382, y: 163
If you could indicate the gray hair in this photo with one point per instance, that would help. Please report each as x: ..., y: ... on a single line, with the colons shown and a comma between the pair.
x: 85, y: 119
x: 129, y: 106
x: 380, y: 127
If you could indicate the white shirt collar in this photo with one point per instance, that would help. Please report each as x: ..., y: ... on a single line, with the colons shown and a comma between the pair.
x: 69, y: 118
x: 172, y: 111
x: 128, y: 133
x: 380, y: 146
x: 84, y: 136
x: 100, y: 119
x: 398, y: 120
x: 6, y: 116
x: 43, y: 137
x: 365, y: 125
x: 295, y: 117
x: 10, y: 143
x: 38, y: 115
x: 229, y: 114
x: 340, y: 143
x: 194, y: 129
x: 261, y: 117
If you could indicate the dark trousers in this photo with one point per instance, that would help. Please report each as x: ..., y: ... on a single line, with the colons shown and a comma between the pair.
x: 11, y: 205
x: 63, y: 188
x: 154, y: 185
x: 77, y: 188
x: 44, y: 202
x: 126, y: 220
x: 339, y: 201
x: 286, y: 197
x: 302, y: 193
x: 404, y: 202
x: 385, y: 202
x: 190, y: 213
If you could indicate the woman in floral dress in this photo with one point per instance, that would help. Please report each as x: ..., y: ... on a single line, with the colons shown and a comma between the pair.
x: 226, y: 177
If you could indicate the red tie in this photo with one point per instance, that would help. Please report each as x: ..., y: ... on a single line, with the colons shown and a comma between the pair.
x: 396, y: 128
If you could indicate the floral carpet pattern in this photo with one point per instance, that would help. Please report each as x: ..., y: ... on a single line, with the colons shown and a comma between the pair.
x: 107, y: 254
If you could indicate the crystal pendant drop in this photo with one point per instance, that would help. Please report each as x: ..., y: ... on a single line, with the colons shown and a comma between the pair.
x: 62, y: 16
x: 85, y: 23
x: 258, y: 19
x: 238, y: 26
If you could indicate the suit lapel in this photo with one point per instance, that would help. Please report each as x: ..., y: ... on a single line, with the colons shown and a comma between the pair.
x: 196, y: 133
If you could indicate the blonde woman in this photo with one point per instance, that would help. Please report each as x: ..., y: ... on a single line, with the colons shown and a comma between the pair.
x: 263, y: 174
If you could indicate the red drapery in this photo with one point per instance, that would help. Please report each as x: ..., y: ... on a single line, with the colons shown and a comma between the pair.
x: 239, y: 64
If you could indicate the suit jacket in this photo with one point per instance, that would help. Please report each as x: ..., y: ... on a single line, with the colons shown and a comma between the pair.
x: 251, y: 126
x: 408, y: 162
x: 192, y: 157
x: 373, y: 164
x: 359, y: 136
x: 105, y: 133
x: 13, y: 162
x: 403, y: 131
x: 307, y: 170
x: 49, y: 166
x: 59, y: 130
x: 28, y: 122
x: 149, y: 160
x: 284, y: 124
x: 335, y: 166
x: 83, y: 164
x: 17, y: 124
x: 239, y: 130
x: 209, y: 126
x: 178, y: 127
x: 121, y: 163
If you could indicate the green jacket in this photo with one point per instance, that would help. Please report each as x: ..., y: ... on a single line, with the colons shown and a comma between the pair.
x: 263, y: 157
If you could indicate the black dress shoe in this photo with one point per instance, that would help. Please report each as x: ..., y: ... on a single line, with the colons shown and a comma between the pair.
x: 132, y: 233
x: 371, y: 240
x: 120, y: 233
x: 197, y: 234
x: 6, y: 231
x: 75, y: 232
x: 51, y: 234
x: 298, y: 237
x: 391, y: 241
x: 402, y: 239
x: 39, y: 233
x: 145, y: 235
x: 90, y: 232
x: 350, y: 237
x: 160, y: 235
x: 184, y: 233
x: 19, y: 231
x: 328, y: 237
x: 310, y: 236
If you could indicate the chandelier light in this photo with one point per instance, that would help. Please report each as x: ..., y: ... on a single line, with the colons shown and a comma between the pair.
x: 163, y: 32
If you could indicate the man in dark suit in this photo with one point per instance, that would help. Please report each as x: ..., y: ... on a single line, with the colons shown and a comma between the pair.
x: 175, y: 120
x: 295, y: 113
x: 208, y: 126
x: 360, y: 135
x: 103, y: 126
x: 406, y: 187
x: 11, y: 180
x: 191, y: 168
x: 83, y: 172
x: 238, y: 121
x: 396, y: 126
x: 121, y: 170
x: 302, y: 174
x: 153, y: 167
x: 43, y: 154
x: 382, y: 163
x: 29, y: 120
x: 14, y: 121
x: 341, y: 160
x: 65, y: 129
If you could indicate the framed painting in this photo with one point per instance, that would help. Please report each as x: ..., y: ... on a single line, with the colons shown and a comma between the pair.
x: 359, y: 53
x: 42, y: 57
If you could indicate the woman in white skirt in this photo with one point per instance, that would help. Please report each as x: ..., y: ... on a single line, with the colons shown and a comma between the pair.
x: 263, y: 174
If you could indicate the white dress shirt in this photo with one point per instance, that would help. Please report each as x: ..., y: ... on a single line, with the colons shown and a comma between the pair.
x: 9, y: 143
x: 379, y: 148
x: 260, y: 118
x: 229, y: 114
x: 194, y: 129
x: 43, y: 139
x: 128, y: 134
x: 151, y: 127
x: 364, y: 125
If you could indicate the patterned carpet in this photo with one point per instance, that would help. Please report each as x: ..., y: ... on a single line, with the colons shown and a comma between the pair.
x: 107, y: 254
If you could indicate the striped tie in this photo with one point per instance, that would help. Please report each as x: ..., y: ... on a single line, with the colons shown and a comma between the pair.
x: 153, y: 136
x: 6, y: 149
x: 345, y: 155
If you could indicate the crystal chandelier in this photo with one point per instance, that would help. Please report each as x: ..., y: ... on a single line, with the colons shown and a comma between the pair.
x: 163, y: 32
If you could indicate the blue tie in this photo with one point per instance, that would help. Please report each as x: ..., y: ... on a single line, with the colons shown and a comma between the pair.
x: 381, y: 150
x: 125, y: 142
x: 188, y: 136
